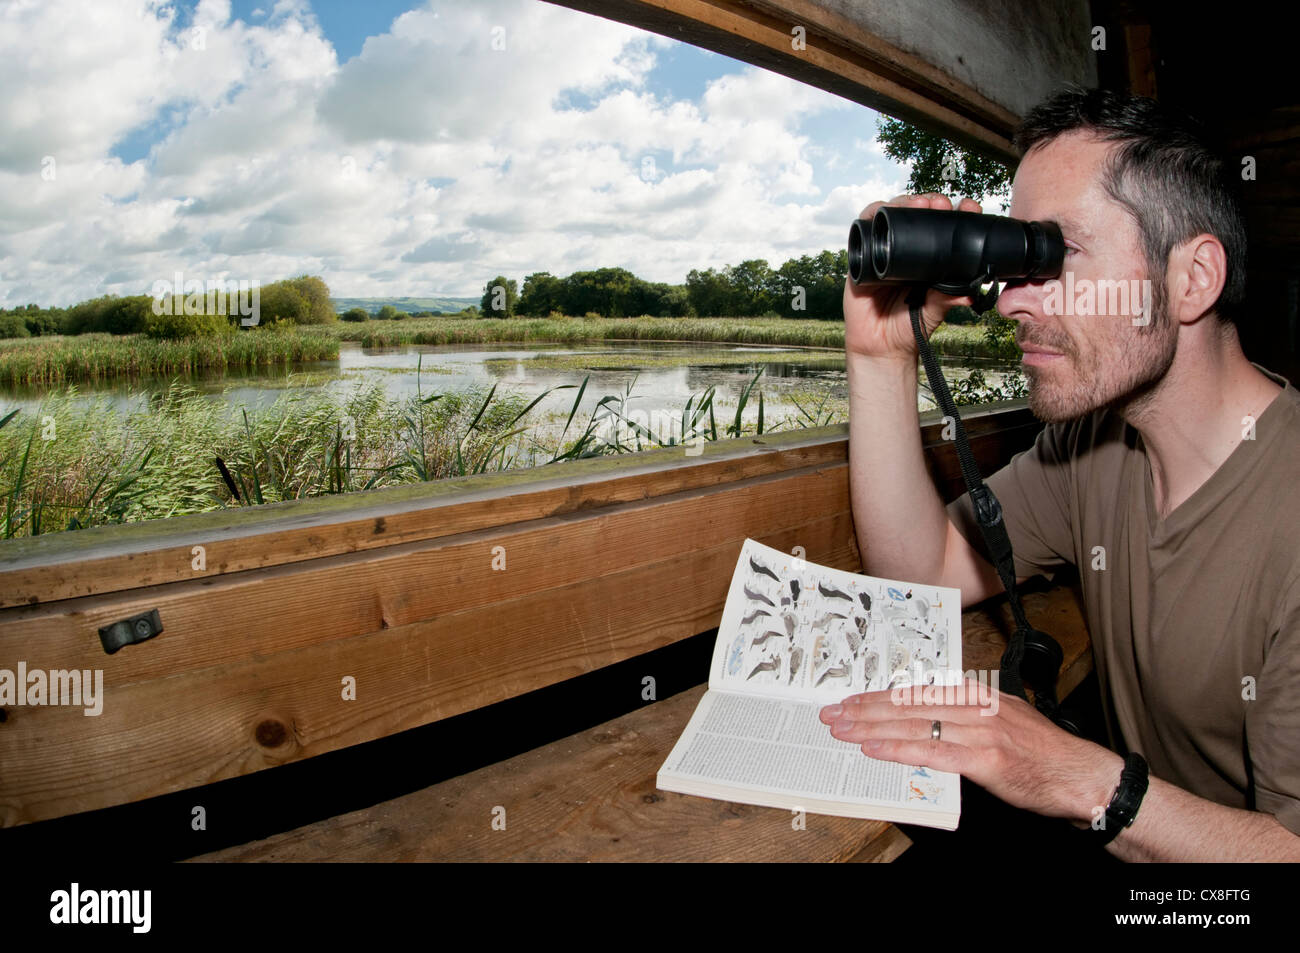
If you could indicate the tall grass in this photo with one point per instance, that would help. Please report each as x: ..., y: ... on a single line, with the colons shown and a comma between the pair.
x: 73, y: 464
x: 953, y: 340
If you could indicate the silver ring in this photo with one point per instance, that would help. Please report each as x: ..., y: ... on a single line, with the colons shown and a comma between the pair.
x: 934, y: 731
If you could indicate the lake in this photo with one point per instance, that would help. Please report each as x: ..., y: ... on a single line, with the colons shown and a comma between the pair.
x: 661, y: 375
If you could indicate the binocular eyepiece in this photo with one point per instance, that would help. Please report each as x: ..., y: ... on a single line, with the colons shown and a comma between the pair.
x: 953, y: 252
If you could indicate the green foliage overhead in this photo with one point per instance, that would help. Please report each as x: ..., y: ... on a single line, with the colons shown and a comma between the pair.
x: 942, y: 166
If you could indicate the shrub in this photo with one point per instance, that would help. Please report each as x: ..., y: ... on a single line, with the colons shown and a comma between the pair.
x: 13, y: 326
x: 355, y: 314
x: 109, y: 314
x: 316, y: 299
x: 176, y: 326
x: 1000, y: 333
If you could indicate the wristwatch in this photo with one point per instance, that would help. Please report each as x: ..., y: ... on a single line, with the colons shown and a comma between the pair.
x: 1123, y: 807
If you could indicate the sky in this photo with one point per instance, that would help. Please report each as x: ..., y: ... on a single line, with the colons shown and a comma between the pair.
x: 399, y: 148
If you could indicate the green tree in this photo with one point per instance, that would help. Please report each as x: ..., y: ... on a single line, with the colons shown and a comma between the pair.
x: 12, y: 325
x: 753, y: 288
x: 709, y: 292
x: 355, y: 314
x: 389, y: 313
x: 282, y: 302
x: 942, y: 166
x: 316, y: 294
x: 812, y: 286
x: 500, y: 295
x: 672, y: 301
x: 542, y: 294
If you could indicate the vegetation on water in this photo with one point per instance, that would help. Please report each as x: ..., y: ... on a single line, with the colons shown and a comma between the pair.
x: 51, y: 361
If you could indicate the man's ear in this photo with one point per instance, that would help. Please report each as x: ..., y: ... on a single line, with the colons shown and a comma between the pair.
x: 1198, y: 270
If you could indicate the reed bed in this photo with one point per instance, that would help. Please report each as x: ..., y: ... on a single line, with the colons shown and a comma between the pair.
x: 950, y: 340
x: 56, y: 360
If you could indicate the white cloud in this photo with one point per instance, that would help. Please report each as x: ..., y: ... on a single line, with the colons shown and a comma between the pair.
x: 427, y: 163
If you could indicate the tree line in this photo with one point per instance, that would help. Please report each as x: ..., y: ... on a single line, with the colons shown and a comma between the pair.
x: 807, y: 287
x: 301, y: 300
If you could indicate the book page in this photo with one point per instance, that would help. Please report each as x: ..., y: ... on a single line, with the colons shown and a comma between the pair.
x: 781, y: 746
x: 795, y: 629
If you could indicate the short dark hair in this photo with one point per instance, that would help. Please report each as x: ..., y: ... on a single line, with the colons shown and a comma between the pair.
x: 1166, y: 172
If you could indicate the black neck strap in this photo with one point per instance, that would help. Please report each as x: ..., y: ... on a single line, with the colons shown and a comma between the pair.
x: 988, y: 512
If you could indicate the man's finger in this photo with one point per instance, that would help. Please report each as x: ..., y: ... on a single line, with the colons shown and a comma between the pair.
x: 940, y: 755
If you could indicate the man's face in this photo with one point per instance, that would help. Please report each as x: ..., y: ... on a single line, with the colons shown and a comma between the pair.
x: 1102, y: 358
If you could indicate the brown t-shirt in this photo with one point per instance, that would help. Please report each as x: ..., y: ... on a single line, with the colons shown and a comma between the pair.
x: 1195, y: 619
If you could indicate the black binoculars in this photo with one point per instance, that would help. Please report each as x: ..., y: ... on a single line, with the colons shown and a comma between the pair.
x: 953, y: 252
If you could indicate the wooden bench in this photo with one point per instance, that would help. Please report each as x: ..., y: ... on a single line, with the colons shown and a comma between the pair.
x: 592, y: 796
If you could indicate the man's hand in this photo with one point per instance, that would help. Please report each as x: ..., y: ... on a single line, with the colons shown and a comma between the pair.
x: 876, y: 320
x: 1007, y: 748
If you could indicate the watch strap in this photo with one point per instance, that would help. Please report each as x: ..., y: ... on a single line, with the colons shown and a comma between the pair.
x: 1123, y: 808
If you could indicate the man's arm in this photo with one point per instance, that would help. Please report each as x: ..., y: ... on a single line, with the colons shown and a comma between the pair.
x: 1020, y: 757
x: 1173, y: 824
x: 902, y: 526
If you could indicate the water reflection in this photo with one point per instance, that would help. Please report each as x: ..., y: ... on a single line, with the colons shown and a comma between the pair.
x: 662, y: 375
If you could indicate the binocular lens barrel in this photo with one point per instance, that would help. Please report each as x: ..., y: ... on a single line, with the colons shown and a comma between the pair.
x: 951, y: 251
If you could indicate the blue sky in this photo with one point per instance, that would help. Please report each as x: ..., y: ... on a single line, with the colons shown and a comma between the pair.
x: 399, y: 148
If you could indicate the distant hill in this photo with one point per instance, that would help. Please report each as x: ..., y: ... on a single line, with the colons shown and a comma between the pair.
x: 409, y: 305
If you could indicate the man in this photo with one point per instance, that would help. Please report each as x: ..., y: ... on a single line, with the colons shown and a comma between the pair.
x: 1165, y: 473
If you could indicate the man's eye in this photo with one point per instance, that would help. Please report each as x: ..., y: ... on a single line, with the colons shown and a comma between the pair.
x: 1070, y: 249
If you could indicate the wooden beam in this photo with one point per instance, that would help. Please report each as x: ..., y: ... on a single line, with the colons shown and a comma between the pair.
x: 214, y: 722
x: 835, y: 54
x: 105, y: 559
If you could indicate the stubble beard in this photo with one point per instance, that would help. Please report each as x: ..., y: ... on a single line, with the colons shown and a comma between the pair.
x: 1123, y: 379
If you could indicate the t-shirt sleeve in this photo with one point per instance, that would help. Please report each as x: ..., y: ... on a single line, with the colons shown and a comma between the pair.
x: 1273, y: 720
x: 1034, y: 492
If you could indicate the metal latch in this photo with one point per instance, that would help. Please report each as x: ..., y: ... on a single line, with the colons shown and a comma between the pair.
x: 129, y: 631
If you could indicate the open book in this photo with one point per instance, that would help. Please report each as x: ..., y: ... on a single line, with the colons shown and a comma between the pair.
x: 796, y: 636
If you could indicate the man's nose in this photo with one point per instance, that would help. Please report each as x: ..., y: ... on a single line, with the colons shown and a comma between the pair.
x: 1020, y: 295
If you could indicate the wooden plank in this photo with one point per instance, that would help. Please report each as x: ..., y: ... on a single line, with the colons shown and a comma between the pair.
x: 588, y: 797
x: 883, y: 849
x: 863, y: 69
x: 889, y: 60
x: 1141, y: 64
x: 112, y: 558
x: 262, y: 612
x: 167, y: 734
x: 592, y: 796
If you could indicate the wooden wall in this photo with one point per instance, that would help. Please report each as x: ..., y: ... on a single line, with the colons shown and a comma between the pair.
x: 436, y: 599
